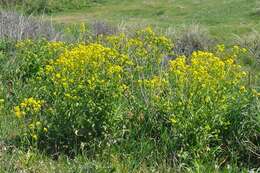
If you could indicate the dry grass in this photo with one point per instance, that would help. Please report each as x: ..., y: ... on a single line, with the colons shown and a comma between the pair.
x: 192, y: 38
x: 17, y: 27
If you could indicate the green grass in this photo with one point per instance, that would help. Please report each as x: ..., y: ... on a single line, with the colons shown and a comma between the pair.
x: 222, y: 18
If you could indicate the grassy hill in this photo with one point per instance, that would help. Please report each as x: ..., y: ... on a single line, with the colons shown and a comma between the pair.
x: 223, y: 18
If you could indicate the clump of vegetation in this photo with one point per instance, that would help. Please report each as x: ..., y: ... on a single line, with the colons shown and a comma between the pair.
x: 81, y: 87
x: 192, y: 38
x: 252, y: 43
x: 178, y: 101
x: 252, y: 60
x: 117, y: 96
x: 102, y: 28
x: 15, y: 26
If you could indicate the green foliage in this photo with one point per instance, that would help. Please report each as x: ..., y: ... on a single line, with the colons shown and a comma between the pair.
x: 81, y: 88
x: 191, y: 107
x: 31, y: 56
x: 131, y: 98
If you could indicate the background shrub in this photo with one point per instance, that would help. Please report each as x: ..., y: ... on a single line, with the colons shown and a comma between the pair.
x: 252, y: 59
x: 252, y: 44
x: 16, y: 26
x: 192, y: 38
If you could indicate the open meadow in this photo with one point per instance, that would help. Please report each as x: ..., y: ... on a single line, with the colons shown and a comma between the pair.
x: 223, y: 18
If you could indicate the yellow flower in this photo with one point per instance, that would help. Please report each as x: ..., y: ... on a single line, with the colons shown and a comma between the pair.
x: 31, y: 126
x: 257, y: 94
x: 243, y: 73
x: 221, y: 48
x: 58, y: 75
x: 173, y: 120
x: 17, y: 109
x: 18, y: 114
x: 38, y: 124
x: 45, y: 129
x: 35, y: 137
x: 242, y: 89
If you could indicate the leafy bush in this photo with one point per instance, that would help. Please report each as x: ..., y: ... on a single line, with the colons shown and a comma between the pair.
x: 192, y: 38
x: 252, y: 59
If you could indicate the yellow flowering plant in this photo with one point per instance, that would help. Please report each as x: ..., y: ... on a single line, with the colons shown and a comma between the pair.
x: 148, y: 52
x: 32, y: 55
x: 145, y: 48
x: 28, y: 113
x: 187, y: 100
x: 134, y: 88
x: 82, y: 89
x: 202, y: 99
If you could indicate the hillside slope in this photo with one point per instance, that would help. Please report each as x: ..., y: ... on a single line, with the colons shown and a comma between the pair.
x: 222, y: 17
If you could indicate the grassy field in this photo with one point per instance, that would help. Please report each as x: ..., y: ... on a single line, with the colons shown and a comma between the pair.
x: 223, y: 18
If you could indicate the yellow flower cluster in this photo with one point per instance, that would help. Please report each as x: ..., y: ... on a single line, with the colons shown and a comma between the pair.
x: 29, y: 109
x: 207, y: 69
x: 87, y: 66
x: 29, y: 105
x: 195, y: 82
x: 142, y: 46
